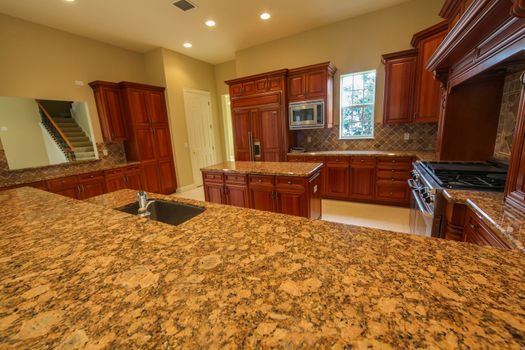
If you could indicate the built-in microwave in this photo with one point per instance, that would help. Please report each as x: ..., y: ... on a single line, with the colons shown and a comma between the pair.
x: 306, y: 115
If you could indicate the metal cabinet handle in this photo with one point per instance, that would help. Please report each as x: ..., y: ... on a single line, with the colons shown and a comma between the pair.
x: 289, y: 182
x: 474, y: 227
x: 250, y: 145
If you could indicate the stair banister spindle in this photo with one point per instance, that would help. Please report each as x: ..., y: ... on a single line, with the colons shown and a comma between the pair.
x: 55, y: 126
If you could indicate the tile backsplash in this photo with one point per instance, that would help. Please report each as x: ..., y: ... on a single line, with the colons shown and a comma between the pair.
x: 386, y: 137
x: 507, y: 117
x: 116, y: 156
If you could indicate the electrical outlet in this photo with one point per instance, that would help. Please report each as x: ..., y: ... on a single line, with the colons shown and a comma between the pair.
x: 309, y: 139
x: 105, y: 152
x: 406, y: 136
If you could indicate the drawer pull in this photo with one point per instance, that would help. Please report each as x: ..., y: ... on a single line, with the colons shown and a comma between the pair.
x: 289, y: 182
x: 474, y: 227
x: 362, y: 160
x: 259, y: 180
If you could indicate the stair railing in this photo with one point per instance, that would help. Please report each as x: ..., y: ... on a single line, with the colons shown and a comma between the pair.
x: 55, y: 132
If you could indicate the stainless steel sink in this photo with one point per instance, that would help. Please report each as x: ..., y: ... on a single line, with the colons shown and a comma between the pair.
x: 164, y: 211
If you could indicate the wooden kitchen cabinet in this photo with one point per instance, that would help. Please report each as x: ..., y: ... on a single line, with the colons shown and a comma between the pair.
x: 91, y: 185
x: 110, y: 112
x: 400, y: 74
x: 412, y: 94
x: 129, y: 177
x: 477, y: 232
x: 427, y: 96
x: 262, y: 192
x: 236, y: 190
x: 362, y: 178
x: 291, y: 195
x: 313, y: 82
x: 337, y: 177
x: 391, y: 179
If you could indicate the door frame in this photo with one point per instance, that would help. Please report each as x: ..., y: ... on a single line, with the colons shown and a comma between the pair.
x: 197, y: 181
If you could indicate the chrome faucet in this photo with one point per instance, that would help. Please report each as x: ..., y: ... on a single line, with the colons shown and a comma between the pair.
x: 142, y: 199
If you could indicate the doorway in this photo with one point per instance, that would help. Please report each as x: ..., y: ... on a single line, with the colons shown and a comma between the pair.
x: 199, y: 122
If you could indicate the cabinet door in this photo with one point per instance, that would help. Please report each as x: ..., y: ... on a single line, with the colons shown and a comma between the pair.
x: 241, y: 123
x: 269, y: 134
x: 399, y: 88
x: 392, y: 191
x: 428, y: 90
x: 337, y: 179
x: 162, y: 141
x: 69, y: 192
x: 168, y: 179
x: 214, y: 193
x: 237, y: 195
x: 316, y: 84
x: 134, y: 179
x: 144, y: 138
x: 156, y: 107
x: 92, y: 189
x: 109, y: 108
x: 291, y: 196
x: 478, y: 233
x: 261, y: 190
x: 362, y: 181
x: 151, y: 176
x: 136, y: 105
x: 515, y: 185
x: 115, y: 182
x: 297, y: 87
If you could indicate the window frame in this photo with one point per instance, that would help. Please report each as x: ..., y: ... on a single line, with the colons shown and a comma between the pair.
x: 341, y: 91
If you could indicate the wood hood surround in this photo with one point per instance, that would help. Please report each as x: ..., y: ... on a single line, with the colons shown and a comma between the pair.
x: 483, y: 34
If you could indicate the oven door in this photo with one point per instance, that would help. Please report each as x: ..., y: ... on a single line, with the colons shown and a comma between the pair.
x: 421, y: 219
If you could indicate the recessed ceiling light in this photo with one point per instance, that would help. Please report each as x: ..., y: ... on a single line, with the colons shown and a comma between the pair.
x: 69, y: 0
x: 187, y: 45
x: 265, y: 16
x: 210, y: 23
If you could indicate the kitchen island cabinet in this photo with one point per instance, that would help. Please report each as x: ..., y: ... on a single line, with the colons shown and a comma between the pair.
x: 287, y: 188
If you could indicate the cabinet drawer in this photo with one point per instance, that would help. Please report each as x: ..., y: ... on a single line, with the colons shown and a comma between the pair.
x: 396, y: 191
x: 314, y: 159
x: 338, y: 159
x: 63, y: 183
x: 116, y: 171
x: 363, y: 161
x: 213, y: 177
x: 261, y: 179
x: 394, y: 163
x: 235, y: 178
x: 477, y: 232
x: 91, y: 176
x: 133, y: 168
x: 290, y: 181
x: 296, y: 158
x: 393, y: 174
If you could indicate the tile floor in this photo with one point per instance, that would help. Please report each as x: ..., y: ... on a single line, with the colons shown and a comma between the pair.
x: 360, y: 214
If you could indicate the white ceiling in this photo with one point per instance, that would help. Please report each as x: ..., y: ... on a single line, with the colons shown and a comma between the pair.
x: 142, y: 25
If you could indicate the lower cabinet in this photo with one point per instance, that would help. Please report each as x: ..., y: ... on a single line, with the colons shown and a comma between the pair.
x: 477, y: 232
x: 300, y: 196
x: 374, y: 179
x: 121, y: 178
x: 79, y: 186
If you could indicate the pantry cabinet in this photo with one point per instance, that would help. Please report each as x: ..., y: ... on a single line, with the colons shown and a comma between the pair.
x: 110, y: 112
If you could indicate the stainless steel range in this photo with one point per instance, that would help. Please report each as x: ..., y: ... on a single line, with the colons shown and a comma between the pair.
x: 429, y: 179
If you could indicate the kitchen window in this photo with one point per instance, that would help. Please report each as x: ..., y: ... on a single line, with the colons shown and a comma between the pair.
x: 358, y: 92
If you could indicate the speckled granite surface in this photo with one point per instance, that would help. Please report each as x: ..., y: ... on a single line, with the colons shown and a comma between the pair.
x: 267, y: 168
x: 502, y: 218
x: 428, y: 156
x: 240, y: 278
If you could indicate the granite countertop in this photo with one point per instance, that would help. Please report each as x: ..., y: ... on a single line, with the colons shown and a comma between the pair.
x: 267, y: 168
x: 502, y: 218
x: 26, y: 177
x: 428, y: 156
x: 76, y: 274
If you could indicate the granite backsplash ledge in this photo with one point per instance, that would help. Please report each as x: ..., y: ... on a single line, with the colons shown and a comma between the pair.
x: 116, y: 156
x: 386, y: 137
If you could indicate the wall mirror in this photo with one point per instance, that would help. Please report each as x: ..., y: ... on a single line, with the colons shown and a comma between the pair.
x: 36, y: 133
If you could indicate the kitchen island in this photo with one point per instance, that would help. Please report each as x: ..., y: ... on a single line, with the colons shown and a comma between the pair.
x: 281, y: 187
x: 77, y: 274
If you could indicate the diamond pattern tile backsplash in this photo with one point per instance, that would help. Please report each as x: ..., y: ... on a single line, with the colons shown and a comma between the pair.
x: 507, y: 117
x: 386, y: 138
x: 116, y: 156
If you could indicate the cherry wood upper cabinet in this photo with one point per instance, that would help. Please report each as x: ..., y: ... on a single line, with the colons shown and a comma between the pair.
x: 313, y: 82
x: 427, y: 95
x: 400, y: 72
x: 109, y: 108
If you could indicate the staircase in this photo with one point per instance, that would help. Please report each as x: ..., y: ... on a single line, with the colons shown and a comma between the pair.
x: 82, y: 145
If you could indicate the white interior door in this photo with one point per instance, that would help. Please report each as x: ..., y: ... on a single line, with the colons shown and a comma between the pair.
x: 197, y: 105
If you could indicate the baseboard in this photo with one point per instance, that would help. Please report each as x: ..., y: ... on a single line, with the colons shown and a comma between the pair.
x: 187, y: 188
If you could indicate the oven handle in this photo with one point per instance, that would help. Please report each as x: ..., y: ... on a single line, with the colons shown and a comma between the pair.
x: 420, y: 205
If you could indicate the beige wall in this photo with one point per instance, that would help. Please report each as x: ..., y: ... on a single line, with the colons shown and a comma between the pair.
x: 355, y: 44
x: 40, y: 62
x: 21, y: 134
x: 182, y: 72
